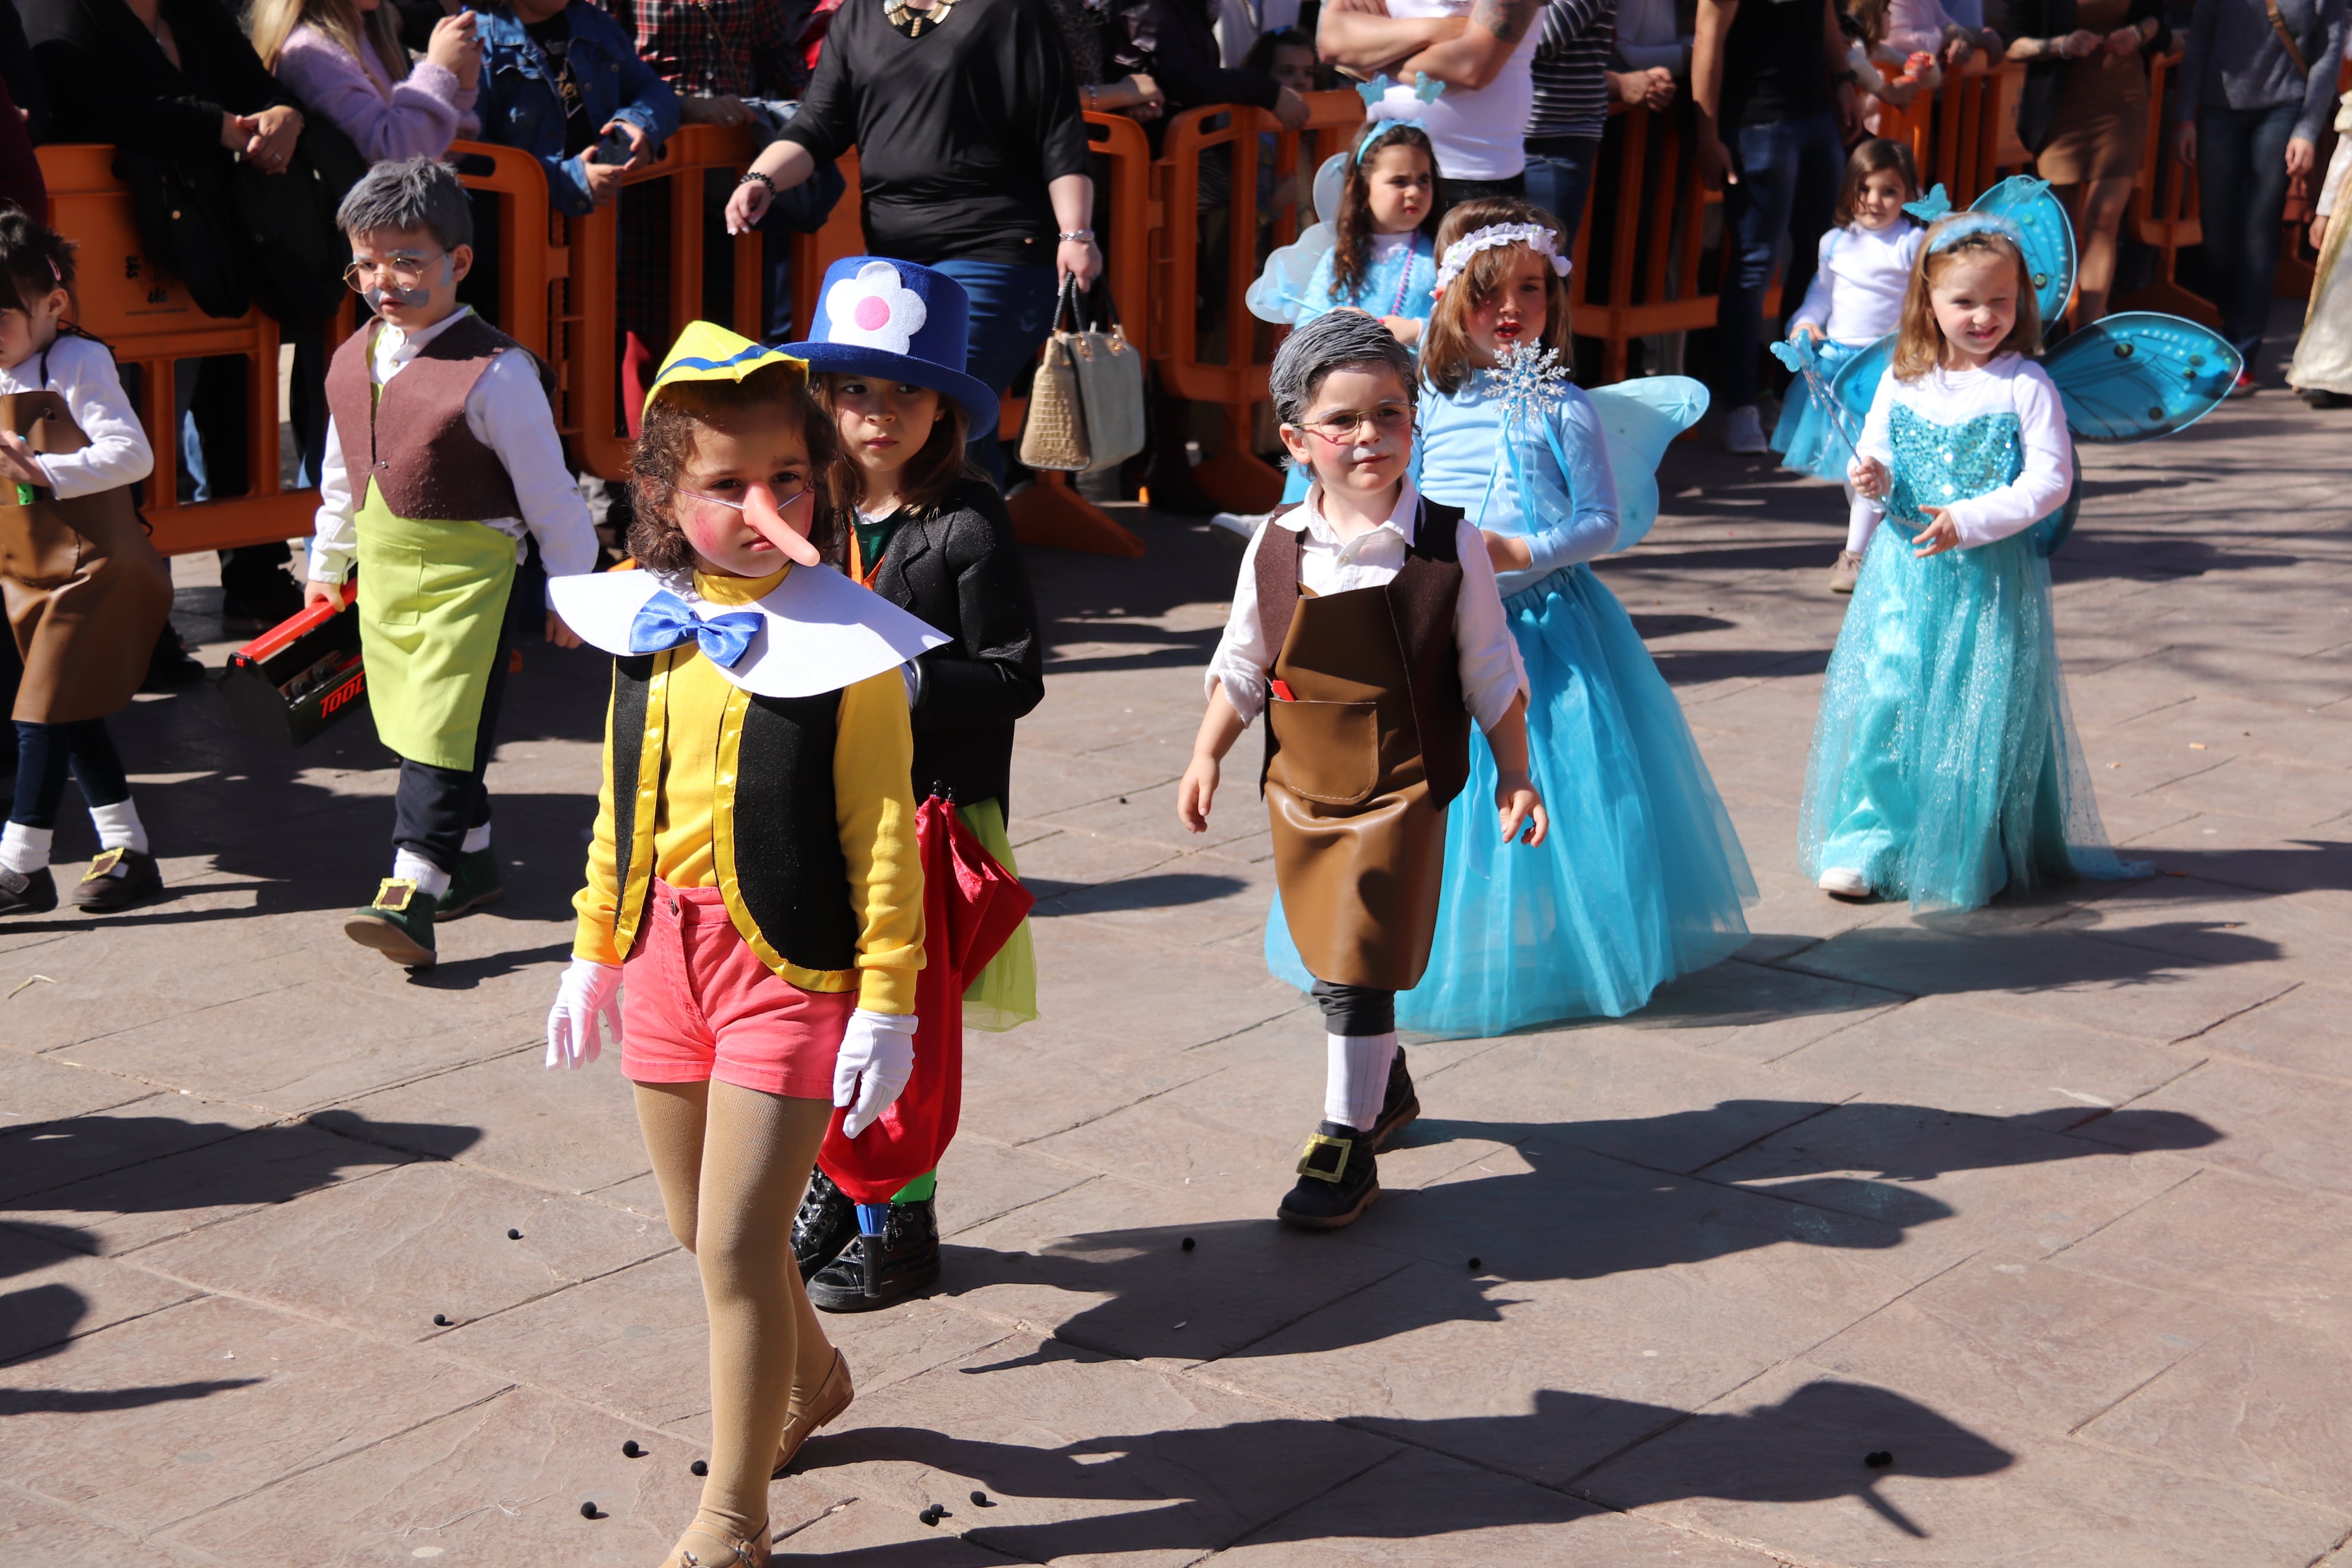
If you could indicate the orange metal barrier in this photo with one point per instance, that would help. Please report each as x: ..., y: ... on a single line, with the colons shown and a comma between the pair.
x: 145, y: 316
x: 533, y: 249
x: 1653, y: 235
x: 1975, y: 143
x: 2164, y: 208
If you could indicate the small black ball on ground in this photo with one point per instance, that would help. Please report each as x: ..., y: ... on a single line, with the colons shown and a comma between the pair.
x: 514, y: 1235
x: 587, y: 1510
x: 629, y: 1449
x: 1879, y: 1460
x: 699, y: 1467
x: 979, y: 1500
x: 1475, y: 1263
x: 1188, y: 1243
x: 440, y: 1320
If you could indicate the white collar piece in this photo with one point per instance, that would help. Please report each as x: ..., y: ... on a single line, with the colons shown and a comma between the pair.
x: 820, y: 631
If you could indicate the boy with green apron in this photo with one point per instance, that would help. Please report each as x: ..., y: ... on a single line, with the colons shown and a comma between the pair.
x: 441, y: 452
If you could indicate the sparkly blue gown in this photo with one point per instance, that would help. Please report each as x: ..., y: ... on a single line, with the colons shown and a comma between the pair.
x: 1945, y: 766
x: 1642, y: 877
x: 1807, y: 438
x: 1402, y: 284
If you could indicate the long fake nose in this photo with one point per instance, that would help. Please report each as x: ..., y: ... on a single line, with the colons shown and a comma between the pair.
x: 767, y: 521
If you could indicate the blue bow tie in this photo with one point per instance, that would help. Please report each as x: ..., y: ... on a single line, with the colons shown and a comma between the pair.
x: 666, y: 621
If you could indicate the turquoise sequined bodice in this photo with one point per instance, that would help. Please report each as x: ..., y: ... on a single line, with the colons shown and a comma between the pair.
x: 1936, y: 465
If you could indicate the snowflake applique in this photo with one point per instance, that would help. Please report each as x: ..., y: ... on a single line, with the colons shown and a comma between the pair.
x: 875, y: 309
x: 1531, y: 378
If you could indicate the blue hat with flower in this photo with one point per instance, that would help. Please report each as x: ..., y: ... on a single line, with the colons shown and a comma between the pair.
x: 879, y: 317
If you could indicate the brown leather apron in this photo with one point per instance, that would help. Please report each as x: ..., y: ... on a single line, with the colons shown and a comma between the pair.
x: 1359, y: 839
x: 85, y: 592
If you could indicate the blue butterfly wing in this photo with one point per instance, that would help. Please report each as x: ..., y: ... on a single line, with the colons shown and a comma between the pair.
x: 2140, y: 374
x: 1857, y: 380
x: 1638, y: 418
x: 2049, y: 236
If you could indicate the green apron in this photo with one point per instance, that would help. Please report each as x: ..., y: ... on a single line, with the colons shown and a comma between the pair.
x: 432, y: 598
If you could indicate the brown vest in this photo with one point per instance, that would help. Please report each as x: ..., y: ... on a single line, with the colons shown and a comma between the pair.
x: 412, y: 442
x: 1421, y: 600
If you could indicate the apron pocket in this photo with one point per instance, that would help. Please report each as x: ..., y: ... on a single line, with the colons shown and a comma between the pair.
x: 1327, y: 751
x: 391, y: 575
x: 37, y: 548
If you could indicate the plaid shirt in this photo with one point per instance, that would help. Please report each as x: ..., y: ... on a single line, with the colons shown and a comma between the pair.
x: 713, y: 47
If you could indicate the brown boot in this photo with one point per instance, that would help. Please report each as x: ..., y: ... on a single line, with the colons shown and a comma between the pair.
x: 803, y: 1416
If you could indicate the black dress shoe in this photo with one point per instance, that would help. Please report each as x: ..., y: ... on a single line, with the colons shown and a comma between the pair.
x: 1397, y: 1108
x: 27, y: 892
x: 826, y: 1222
x: 875, y: 1272
x: 117, y: 879
x: 169, y: 667
x: 1338, y: 1180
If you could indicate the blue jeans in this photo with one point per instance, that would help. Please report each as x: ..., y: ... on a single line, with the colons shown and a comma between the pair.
x: 1560, y: 177
x: 1787, y: 194
x: 2242, y: 177
x: 1011, y: 310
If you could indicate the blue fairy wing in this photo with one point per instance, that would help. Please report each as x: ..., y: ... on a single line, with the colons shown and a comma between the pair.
x: 2052, y: 531
x: 2140, y: 374
x: 1856, y: 383
x: 1281, y: 289
x: 2049, y: 236
x: 1638, y: 419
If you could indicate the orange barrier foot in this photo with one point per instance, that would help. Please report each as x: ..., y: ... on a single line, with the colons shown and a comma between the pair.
x: 1239, y: 481
x: 1050, y: 513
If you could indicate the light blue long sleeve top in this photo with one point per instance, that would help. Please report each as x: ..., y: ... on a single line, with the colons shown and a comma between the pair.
x: 1400, y: 279
x: 1570, y: 517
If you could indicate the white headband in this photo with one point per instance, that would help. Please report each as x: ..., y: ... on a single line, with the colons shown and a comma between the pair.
x: 1536, y: 237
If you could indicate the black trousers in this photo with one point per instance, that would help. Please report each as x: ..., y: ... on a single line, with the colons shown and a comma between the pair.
x: 434, y: 807
x: 1355, y: 1010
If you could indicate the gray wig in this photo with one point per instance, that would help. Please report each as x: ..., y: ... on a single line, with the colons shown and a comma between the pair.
x: 415, y: 192
x: 1338, y: 340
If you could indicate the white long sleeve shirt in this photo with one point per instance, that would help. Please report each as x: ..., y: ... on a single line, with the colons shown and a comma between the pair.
x: 2010, y: 383
x: 83, y: 373
x: 1856, y: 294
x: 508, y: 412
x: 1489, y: 659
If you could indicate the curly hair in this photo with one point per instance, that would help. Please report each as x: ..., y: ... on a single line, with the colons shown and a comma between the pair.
x: 33, y: 260
x: 1352, y: 255
x: 1445, y: 347
x: 1919, y: 342
x: 666, y: 445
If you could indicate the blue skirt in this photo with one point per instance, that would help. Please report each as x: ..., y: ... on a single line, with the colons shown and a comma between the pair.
x: 1642, y: 877
x: 1945, y: 766
x: 1806, y: 437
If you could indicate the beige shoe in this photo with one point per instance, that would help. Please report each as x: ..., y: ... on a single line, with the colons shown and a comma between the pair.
x: 802, y: 1419
x: 1846, y: 573
x: 1838, y: 882
x: 715, y: 1546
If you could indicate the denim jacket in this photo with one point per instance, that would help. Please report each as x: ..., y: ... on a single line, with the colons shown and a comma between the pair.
x: 519, y: 105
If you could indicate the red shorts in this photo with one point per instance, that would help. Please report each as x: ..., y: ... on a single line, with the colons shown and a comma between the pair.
x: 696, y: 1004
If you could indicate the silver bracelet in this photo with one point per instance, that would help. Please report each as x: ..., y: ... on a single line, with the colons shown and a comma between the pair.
x: 1086, y: 233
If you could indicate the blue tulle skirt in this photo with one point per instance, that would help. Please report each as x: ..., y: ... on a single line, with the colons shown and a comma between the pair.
x: 1642, y: 877
x: 1806, y: 438
x: 1945, y: 766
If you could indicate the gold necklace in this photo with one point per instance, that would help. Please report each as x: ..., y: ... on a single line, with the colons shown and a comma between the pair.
x: 912, y: 22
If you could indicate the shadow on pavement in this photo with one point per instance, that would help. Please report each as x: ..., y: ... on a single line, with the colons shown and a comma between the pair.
x: 1158, y: 891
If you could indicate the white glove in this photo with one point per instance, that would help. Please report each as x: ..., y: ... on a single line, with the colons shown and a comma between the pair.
x: 589, y: 991
x: 877, y: 1057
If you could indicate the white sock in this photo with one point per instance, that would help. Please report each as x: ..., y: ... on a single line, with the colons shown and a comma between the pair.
x: 1861, y: 520
x: 1357, y: 1079
x: 22, y: 850
x: 476, y: 839
x: 119, y: 826
x: 429, y: 878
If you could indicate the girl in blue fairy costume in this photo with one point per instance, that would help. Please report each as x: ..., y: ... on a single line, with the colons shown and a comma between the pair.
x: 1855, y: 297
x: 1944, y: 767
x: 1645, y: 881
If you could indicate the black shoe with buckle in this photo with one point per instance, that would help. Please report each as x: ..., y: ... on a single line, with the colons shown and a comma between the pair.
x: 874, y: 1272
x: 1338, y: 1180
x: 1398, y: 1110
x: 27, y: 892
x: 399, y: 924
x: 117, y: 879
x: 826, y: 1222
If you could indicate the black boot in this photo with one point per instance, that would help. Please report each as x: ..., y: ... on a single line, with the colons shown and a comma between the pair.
x: 1338, y: 1180
x: 27, y: 892
x: 1397, y: 1108
x: 826, y: 1222
x: 907, y: 1257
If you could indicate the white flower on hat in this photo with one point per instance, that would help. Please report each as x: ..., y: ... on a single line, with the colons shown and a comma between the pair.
x: 875, y: 309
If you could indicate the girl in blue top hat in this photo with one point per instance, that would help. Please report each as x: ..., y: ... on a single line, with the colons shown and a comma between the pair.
x: 930, y: 535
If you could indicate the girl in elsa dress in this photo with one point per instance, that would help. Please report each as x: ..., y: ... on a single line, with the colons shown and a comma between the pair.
x: 1644, y: 880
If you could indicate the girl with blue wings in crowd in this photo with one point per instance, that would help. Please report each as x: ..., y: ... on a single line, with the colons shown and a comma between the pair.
x: 1646, y: 880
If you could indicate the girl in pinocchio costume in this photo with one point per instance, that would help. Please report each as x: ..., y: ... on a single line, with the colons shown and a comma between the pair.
x: 1644, y: 880
x: 86, y: 593
x: 441, y: 452
x: 933, y: 538
x: 1366, y: 626
x: 753, y: 877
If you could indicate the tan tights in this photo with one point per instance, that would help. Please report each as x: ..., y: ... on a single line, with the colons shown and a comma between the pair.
x: 733, y: 1164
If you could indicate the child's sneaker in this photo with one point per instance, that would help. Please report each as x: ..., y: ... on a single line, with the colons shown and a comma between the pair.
x: 117, y: 879
x: 399, y: 924
x: 1743, y: 431
x: 1338, y: 1180
x: 27, y: 892
x: 473, y: 883
x: 1846, y: 573
x: 1840, y: 882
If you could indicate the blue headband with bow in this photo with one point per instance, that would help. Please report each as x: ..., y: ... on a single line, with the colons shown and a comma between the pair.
x: 1953, y: 230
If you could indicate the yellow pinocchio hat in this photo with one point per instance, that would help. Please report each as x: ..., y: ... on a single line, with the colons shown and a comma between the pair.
x: 708, y: 352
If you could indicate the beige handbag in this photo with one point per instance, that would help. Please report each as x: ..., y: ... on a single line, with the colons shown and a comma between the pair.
x: 1086, y: 406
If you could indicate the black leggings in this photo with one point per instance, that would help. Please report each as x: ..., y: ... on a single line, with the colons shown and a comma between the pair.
x: 1355, y: 1010
x: 45, y: 753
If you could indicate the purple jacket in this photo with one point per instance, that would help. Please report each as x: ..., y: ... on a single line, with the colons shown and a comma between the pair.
x: 417, y: 117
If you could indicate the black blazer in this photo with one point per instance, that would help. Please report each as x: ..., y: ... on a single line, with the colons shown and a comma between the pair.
x: 959, y: 571
x: 2045, y: 80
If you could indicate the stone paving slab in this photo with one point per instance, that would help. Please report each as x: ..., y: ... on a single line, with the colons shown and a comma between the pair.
x: 2045, y: 1200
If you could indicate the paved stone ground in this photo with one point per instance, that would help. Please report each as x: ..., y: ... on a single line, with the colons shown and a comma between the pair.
x: 2049, y: 1202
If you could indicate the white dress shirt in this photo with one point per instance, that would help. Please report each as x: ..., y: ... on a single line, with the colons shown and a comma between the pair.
x: 2010, y: 383
x: 508, y: 412
x: 1489, y: 660
x: 83, y: 373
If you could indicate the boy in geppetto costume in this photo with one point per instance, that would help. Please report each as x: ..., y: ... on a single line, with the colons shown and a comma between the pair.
x: 1365, y: 624
x: 86, y: 593
x: 441, y: 454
